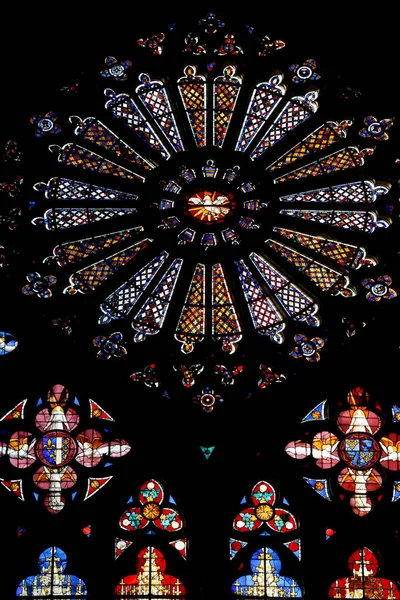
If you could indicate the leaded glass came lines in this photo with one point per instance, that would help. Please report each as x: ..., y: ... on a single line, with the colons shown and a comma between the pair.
x: 327, y: 134
x: 150, y: 318
x: 60, y: 188
x: 119, y: 304
x: 154, y: 96
x: 66, y: 218
x: 366, y: 221
x: 225, y: 94
x: 225, y: 323
x: 267, y: 319
x: 356, y: 192
x: 298, y: 305
x: 123, y: 107
x: 346, y: 255
x: 297, y: 110
x: 89, y: 278
x: 323, y: 276
x: 348, y: 158
x: 191, y: 326
x: 77, y: 156
x: 73, y: 252
x: 264, y: 99
x: 95, y: 131
x: 193, y: 90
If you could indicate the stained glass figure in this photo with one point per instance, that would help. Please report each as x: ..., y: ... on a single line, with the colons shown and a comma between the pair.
x: 150, y: 578
x: 52, y: 580
x: 266, y: 580
x: 363, y: 582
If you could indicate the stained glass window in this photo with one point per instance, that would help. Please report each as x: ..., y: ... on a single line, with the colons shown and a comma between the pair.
x: 199, y: 234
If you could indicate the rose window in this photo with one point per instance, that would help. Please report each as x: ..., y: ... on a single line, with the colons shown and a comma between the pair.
x: 211, y: 202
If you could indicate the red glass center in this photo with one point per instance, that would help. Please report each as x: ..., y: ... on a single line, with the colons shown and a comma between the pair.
x: 210, y: 207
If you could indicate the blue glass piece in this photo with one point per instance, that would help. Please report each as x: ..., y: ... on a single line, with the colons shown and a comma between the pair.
x: 320, y: 486
x: 317, y: 413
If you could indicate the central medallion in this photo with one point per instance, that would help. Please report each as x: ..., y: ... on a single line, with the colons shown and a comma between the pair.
x: 210, y: 207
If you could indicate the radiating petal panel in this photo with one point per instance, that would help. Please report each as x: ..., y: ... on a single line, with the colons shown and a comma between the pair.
x: 341, y: 160
x: 266, y: 317
x: 60, y: 188
x: 191, y: 326
x: 357, y: 192
x: 67, y: 218
x: 150, y: 318
x: 118, y: 304
x: 73, y: 252
x: 123, y: 107
x: 264, y: 99
x: 154, y: 96
x: 265, y: 580
x: 344, y: 254
x: 193, y: 91
x: 327, y: 134
x: 298, y: 305
x: 297, y: 110
x: 87, y: 279
x: 96, y: 132
x: 225, y: 323
x: 366, y: 221
x: 226, y: 89
x: 76, y: 156
x: 326, y: 278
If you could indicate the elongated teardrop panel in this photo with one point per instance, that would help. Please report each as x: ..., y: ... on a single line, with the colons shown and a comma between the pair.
x: 191, y: 326
x: 88, y: 279
x: 193, y: 91
x: 150, y: 318
x: 297, y: 304
x: 225, y: 322
x: 123, y: 107
x: 266, y: 317
x: 119, y: 304
x: 154, y: 96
